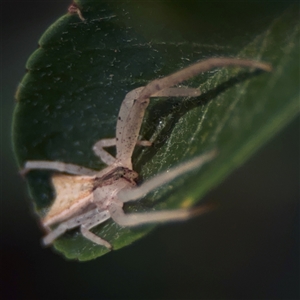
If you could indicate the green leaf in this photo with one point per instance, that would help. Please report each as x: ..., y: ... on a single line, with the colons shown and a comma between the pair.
x: 79, y: 75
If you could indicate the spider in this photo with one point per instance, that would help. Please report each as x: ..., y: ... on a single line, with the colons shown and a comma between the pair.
x: 89, y: 197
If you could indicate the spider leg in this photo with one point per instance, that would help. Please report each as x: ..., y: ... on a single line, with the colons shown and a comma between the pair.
x: 125, y: 136
x: 163, y: 178
x: 131, y: 116
x: 82, y: 220
x: 193, y: 70
x: 135, y: 103
x: 106, y: 157
x: 56, y: 166
x: 92, y: 222
x: 54, y: 234
x: 94, y: 238
x: 118, y: 215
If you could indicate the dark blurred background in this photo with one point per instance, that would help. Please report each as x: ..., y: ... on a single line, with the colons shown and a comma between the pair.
x: 247, y: 249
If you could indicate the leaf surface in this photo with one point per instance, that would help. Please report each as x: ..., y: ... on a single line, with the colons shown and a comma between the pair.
x: 78, y: 77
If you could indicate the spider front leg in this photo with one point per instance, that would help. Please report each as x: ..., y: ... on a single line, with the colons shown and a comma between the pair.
x: 155, y: 182
x: 118, y: 215
x: 56, y: 166
x: 132, y: 112
x: 131, y: 115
